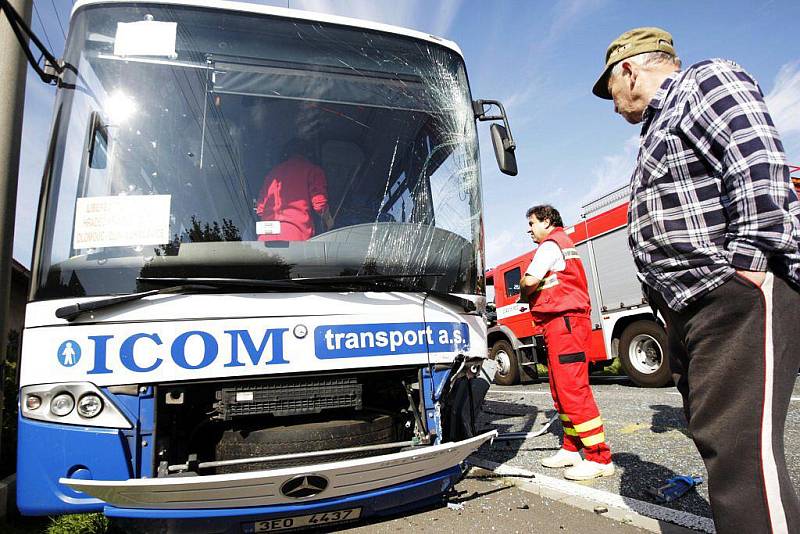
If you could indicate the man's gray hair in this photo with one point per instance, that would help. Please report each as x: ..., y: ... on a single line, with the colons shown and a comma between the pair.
x: 646, y: 59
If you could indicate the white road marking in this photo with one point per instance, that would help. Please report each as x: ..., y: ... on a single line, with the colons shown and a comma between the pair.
x: 796, y: 398
x: 625, y: 509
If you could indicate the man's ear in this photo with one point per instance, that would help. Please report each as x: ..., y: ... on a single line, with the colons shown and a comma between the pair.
x: 632, y: 69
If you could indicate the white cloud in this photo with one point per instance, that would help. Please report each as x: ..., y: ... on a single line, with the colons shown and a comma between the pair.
x: 784, y: 105
x: 445, y: 15
x: 506, y: 244
x: 567, y: 13
x: 614, y: 170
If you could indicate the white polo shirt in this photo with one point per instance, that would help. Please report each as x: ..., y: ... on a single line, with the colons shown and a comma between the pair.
x: 548, y: 258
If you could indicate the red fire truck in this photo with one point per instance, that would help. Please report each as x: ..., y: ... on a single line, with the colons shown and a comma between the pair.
x: 623, y: 324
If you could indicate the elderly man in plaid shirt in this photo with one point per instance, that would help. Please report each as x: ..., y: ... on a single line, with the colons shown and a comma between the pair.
x: 714, y: 227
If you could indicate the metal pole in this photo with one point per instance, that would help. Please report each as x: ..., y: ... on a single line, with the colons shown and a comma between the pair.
x: 12, y: 100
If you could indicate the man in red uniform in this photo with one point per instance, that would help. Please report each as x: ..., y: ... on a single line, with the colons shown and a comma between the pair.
x: 556, y: 285
x: 290, y: 191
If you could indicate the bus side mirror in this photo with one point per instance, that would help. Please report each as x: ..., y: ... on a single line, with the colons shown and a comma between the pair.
x: 504, y: 150
x: 502, y: 139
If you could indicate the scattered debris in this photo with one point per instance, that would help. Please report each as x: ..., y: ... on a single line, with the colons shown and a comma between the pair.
x: 600, y: 509
x: 674, y: 488
x: 456, y: 506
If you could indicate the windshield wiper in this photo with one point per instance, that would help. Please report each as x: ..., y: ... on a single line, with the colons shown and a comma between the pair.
x: 177, y: 286
x: 74, y: 310
x: 374, y: 281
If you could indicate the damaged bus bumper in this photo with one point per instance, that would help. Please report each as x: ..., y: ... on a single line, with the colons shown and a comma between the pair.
x: 288, y: 491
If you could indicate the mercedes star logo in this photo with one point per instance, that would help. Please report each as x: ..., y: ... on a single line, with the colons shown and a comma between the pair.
x: 304, y: 486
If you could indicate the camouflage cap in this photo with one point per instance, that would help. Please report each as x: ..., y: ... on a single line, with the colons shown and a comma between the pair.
x: 629, y: 44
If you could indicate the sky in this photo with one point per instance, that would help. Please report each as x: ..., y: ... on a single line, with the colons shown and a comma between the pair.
x: 540, y: 58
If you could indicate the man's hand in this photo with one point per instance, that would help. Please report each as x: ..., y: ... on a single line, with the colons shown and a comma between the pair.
x: 757, y: 277
x: 527, y: 285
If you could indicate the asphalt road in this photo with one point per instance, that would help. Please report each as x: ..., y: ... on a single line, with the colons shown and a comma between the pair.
x: 481, y: 505
x: 645, y: 429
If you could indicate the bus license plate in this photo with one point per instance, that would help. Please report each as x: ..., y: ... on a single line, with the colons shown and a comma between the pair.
x: 298, y: 521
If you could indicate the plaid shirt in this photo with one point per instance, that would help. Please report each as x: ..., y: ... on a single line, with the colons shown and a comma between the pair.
x: 711, y: 192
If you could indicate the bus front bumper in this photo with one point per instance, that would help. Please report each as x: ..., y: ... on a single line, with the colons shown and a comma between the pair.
x: 297, y: 487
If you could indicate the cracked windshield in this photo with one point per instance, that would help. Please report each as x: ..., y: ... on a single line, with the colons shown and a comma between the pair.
x: 194, y: 145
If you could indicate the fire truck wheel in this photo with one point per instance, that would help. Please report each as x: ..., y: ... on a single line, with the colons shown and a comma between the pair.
x: 507, y: 368
x: 642, y: 352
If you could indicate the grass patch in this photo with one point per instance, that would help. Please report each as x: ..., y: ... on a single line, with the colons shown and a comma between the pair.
x: 79, y: 523
x: 613, y: 369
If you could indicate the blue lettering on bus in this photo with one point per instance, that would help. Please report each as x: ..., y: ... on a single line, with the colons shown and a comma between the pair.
x: 69, y: 352
x: 126, y: 353
x: 100, y: 351
x: 210, y: 349
x: 255, y: 353
x: 387, y: 339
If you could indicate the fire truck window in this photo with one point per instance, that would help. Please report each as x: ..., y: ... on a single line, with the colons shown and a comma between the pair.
x: 512, y: 282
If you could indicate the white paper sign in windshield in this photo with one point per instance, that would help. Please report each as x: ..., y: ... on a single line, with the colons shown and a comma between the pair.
x: 121, y: 221
x: 145, y: 38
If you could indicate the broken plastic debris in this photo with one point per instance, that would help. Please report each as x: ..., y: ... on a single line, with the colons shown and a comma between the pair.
x: 458, y: 506
x: 675, y: 487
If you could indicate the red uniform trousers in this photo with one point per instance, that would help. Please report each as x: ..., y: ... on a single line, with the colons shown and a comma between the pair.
x: 567, y: 338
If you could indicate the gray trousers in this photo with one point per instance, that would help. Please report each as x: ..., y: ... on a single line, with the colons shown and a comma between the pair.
x: 734, y: 355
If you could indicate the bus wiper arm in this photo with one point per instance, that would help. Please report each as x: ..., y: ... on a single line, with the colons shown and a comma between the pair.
x: 287, y: 283
x: 370, y: 280
x: 74, y: 310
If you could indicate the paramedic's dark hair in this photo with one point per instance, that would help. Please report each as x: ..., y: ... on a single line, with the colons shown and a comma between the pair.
x: 546, y: 212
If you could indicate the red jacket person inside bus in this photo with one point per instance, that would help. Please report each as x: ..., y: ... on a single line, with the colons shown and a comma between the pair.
x: 556, y: 285
x: 290, y: 191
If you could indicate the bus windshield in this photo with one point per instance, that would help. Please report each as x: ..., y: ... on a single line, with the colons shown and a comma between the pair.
x: 189, y: 144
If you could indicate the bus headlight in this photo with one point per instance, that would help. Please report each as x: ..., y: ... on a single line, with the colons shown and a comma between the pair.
x: 62, y: 404
x: 74, y: 403
x: 90, y: 405
x: 33, y: 402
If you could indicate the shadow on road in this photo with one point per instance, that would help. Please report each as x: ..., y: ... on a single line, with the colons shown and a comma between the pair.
x: 454, y: 497
x: 513, y: 416
x: 667, y: 418
x: 638, y: 475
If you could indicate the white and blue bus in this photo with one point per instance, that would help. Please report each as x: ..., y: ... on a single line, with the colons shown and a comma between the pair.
x: 186, y: 359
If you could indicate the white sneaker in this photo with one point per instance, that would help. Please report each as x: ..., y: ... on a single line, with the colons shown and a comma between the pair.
x: 587, y: 470
x: 563, y: 458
